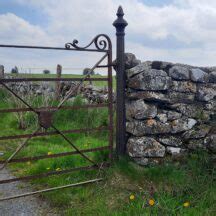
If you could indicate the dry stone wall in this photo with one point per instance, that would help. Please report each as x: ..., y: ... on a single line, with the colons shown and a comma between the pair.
x: 92, y: 94
x: 170, y: 109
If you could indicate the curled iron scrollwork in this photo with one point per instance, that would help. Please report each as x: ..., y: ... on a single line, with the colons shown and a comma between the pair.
x: 101, y: 42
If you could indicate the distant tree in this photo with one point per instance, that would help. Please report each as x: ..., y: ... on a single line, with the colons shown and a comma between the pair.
x: 88, y: 71
x: 46, y: 71
x: 15, y: 70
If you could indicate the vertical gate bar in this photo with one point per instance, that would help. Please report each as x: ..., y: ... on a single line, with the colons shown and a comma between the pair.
x: 110, y: 98
x: 120, y: 25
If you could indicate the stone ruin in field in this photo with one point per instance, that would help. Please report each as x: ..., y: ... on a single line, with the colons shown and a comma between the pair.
x: 170, y: 109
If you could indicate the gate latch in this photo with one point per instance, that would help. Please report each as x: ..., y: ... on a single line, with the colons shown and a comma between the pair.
x: 45, y: 119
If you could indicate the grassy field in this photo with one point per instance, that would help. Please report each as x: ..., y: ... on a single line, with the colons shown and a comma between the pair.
x: 185, y: 187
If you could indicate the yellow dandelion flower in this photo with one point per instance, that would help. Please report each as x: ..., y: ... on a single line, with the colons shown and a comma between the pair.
x: 132, y: 197
x: 49, y: 153
x: 48, y: 168
x: 186, y: 204
x: 151, y: 202
x: 29, y: 163
x: 58, y: 169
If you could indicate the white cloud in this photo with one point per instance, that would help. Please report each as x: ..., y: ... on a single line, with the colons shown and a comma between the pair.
x: 187, y: 21
x: 17, y: 30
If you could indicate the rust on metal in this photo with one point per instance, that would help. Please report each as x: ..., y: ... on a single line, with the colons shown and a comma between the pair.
x: 51, y: 133
x: 51, y: 189
x: 72, y: 90
x: 50, y: 48
x: 20, y: 147
x: 53, y: 108
x: 77, y: 149
x: 100, y: 43
x: 120, y: 25
x: 45, y: 119
x: 47, y: 174
x: 50, y: 79
x: 26, y: 159
x: 16, y: 95
x: 110, y: 98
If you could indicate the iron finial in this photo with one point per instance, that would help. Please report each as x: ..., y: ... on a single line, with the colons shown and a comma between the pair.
x: 120, y: 23
x: 120, y: 11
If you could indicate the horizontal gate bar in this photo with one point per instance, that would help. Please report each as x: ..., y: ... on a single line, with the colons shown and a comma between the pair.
x: 43, y: 175
x: 54, y: 108
x: 50, y: 48
x: 18, y: 160
x: 104, y: 66
x: 50, y: 79
x: 51, y: 189
x: 52, y: 133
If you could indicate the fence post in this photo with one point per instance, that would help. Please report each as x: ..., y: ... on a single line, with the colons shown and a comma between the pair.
x: 58, y: 73
x: 120, y: 25
x: 1, y: 72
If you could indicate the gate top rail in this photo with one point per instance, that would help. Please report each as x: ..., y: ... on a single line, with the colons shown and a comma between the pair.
x: 32, y: 79
x: 101, y: 42
x: 48, y: 48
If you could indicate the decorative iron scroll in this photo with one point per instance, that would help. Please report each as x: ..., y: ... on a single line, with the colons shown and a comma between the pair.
x: 101, y: 42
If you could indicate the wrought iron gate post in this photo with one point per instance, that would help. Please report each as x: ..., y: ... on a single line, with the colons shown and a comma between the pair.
x: 120, y: 25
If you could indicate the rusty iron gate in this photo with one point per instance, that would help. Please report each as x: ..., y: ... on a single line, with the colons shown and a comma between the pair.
x: 102, y: 44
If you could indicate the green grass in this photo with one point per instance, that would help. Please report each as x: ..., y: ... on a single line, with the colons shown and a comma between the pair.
x: 190, y: 180
x: 170, y: 185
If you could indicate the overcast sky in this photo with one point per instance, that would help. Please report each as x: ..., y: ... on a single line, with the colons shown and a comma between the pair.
x: 171, y: 30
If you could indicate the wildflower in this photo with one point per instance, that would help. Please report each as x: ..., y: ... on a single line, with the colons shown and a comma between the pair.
x: 48, y: 168
x: 58, y: 169
x: 186, y: 204
x: 151, y: 202
x: 132, y: 197
x: 49, y: 153
x: 29, y: 163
